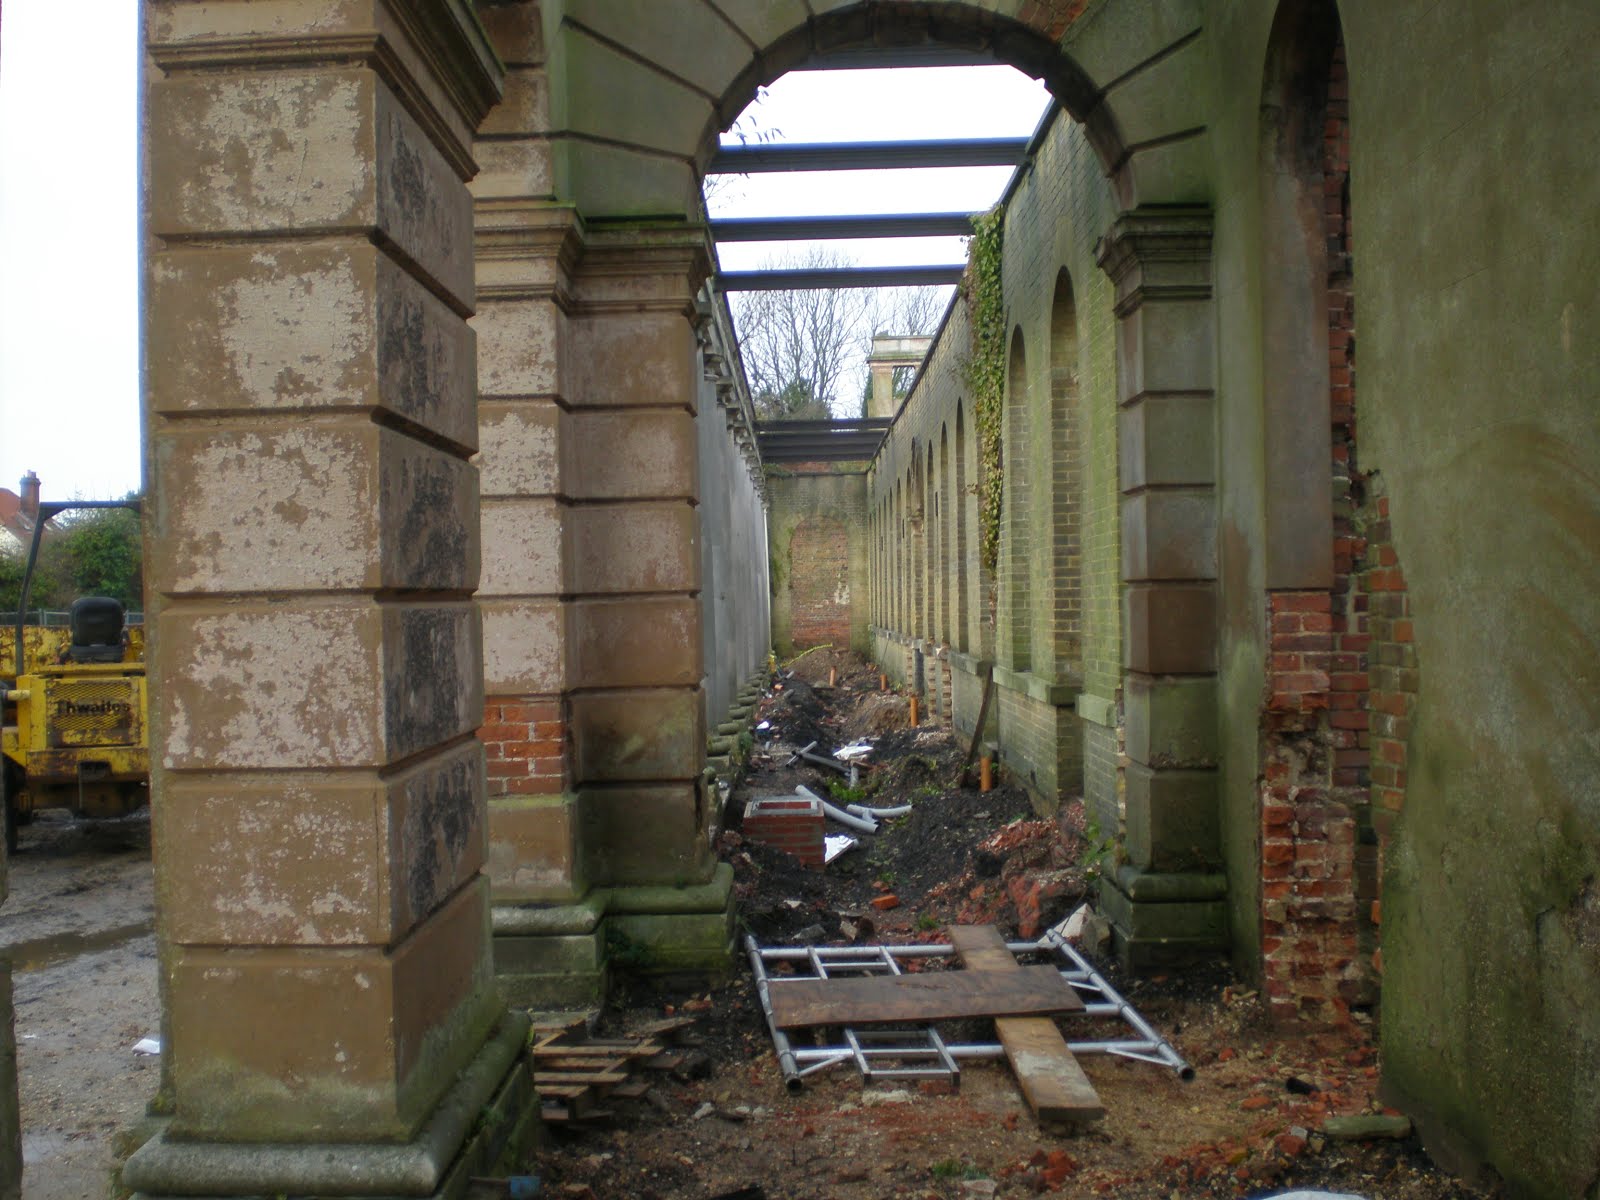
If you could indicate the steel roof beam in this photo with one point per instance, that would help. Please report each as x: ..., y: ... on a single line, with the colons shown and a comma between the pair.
x: 813, y: 279
x: 864, y: 225
x: 868, y: 156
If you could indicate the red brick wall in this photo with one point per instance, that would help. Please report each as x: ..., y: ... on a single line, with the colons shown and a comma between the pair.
x: 819, y: 583
x: 525, y: 741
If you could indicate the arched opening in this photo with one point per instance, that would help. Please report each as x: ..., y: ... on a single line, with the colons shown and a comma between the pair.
x: 962, y: 581
x: 1333, y: 730
x: 914, y: 548
x: 1066, y: 505
x: 1031, y: 45
x: 1016, y: 551
x: 930, y: 555
x: 945, y: 570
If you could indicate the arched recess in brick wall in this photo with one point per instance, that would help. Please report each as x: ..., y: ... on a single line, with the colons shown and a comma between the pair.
x: 1066, y: 475
x: 962, y: 639
x: 1016, y: 552
x: 1320, y: 726
x: 949, y: 501
x: 930, y: 553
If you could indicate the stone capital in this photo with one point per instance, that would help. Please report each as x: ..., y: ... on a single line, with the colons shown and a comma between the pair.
x: 638, y: 266
x: 1158, y: 254
x: 527, y: 249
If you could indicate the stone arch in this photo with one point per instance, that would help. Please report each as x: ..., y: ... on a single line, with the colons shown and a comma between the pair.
x: 1066, y: 482
x: 1016, y: 550
x: 680, y: 74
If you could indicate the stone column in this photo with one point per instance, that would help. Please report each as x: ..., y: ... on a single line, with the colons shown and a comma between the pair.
x: 1166, y: 900
x: 331, y: 1019
x: 527, y: 248
x: 589, y: 370
x: 635, y: 658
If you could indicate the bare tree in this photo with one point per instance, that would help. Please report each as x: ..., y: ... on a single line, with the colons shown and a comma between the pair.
x: 799, y: 347
x: 911, y: 311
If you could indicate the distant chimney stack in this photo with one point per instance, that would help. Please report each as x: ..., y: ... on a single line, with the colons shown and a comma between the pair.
x: 30, y: 496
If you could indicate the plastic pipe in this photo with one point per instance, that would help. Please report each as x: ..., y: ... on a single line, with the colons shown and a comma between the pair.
x: 838, y: 814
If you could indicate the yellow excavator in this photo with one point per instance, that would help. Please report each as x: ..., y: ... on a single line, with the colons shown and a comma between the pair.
x: 74, y: 733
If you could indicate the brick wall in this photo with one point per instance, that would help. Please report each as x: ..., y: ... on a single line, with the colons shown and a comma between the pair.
x: 1059, y: 590
x: 525, y: 741
x: 819, y: 583
x: 822, y: 557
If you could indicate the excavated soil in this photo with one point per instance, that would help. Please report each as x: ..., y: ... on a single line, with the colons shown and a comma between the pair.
x: 1248, y: 1124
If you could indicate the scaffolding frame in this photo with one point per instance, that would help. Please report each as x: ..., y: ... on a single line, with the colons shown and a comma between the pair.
x: 920, y: 1052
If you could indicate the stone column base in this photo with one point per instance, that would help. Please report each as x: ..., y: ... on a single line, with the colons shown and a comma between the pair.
x: 552, y: 957
x: 1160, y: 919
x: 562, y: 957
x: 483, y: 1127
x: 678, y: 933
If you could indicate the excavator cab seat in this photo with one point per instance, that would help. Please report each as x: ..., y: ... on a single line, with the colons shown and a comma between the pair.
x: 97, y: 629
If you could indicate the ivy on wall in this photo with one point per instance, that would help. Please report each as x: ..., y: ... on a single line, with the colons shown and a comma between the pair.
x: 985, y: 372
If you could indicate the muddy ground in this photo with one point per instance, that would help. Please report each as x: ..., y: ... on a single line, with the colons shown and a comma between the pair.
x: 1249, y: 1123
x: 77, y: 925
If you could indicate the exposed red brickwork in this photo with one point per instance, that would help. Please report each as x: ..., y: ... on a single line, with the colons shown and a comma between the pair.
x: 1330, y: 730
x: 819, y: 584
x: 785, y: 823
x: 1051, y: 17
x: 1313, y: 779
x: 525, y: 743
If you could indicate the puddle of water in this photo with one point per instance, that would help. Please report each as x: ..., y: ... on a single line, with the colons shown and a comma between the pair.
x: 43, y: 952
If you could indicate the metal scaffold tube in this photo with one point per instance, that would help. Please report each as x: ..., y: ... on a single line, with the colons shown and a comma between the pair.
x: 1101, y: 1001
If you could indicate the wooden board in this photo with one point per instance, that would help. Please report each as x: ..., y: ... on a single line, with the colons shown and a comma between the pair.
x: 1051, y: 1079
x: 926, y: 996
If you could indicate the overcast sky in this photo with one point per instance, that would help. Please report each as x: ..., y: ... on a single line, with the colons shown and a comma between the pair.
x: 69, y: 405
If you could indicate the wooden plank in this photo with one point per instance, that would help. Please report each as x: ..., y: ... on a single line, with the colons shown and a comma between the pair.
x: 619, y: 1050
x: 1051, y: 1080
x: 926, y: 996
x: 545, y: 1080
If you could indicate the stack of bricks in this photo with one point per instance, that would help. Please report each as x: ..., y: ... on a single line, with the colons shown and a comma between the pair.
x: 524, y: 741
x: 791, y: 823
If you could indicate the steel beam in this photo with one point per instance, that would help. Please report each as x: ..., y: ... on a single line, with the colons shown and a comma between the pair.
x: 868, y: 156
x: 814, y: 279
x: 810, y: 229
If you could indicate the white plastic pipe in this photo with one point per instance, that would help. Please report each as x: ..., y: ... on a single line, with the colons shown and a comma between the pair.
x: 862, y: 810
x: 838, y: 814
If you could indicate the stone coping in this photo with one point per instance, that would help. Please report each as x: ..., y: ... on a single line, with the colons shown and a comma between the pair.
x: 165, y: 1167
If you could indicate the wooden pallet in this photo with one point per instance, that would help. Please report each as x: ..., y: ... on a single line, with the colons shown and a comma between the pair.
x: 574, y: 1072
